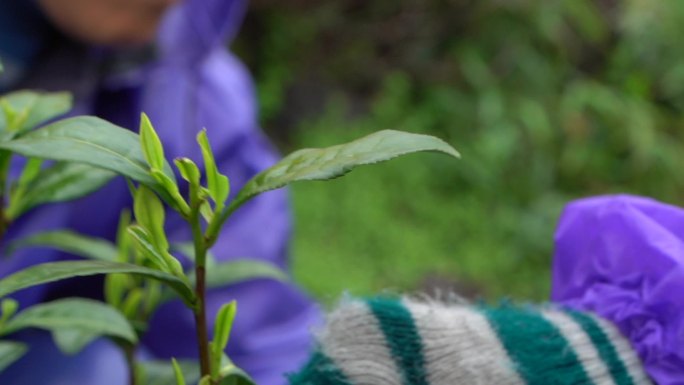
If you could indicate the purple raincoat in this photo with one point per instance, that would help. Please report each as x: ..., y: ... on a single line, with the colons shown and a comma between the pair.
x: 191, y: 83
x: 623, y: 258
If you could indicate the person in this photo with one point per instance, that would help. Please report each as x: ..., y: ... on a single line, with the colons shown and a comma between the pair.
x: 168, y: 59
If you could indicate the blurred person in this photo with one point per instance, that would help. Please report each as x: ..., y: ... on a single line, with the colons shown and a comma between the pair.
x: 168, y: 59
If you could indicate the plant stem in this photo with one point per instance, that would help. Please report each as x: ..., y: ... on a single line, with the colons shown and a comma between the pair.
x: 200, y: 286
x: 129, y: 351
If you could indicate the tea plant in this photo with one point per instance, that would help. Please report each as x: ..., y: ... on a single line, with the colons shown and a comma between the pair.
x: 141, y: 267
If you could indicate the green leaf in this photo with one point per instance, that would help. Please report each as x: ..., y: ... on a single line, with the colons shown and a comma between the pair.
x: 161, y: 258
x: 70, y: 242
x: 92, y: 141
x: 232, y: 272
x: 335, y: 161
x: 74, y: 313
x: 230, y: 375
x: 178, y: 372
x: 30, y: 171
x: 31, y: 109
x: 60, y: 182
x: 71, y: 341
x: 151, y: 145
x: 188, y: 170
x: 332, y: 162
x: 222, y: 328
x: 162, y: 372
x: 10, y: 352
x: 219, y: 185
x: 8, y: 307
x: 55, y: 271
x: 171, y: 188
x: 149, y: 213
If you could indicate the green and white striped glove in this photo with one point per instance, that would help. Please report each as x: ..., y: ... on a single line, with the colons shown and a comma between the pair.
x: 405, y: 341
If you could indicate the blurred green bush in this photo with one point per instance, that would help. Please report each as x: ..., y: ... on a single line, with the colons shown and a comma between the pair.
x: 547, y: 101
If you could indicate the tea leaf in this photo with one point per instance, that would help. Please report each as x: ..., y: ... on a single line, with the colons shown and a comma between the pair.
x: 30, y: 109
x: 151, y: 145
x: 92, y: 141
x: 222, y: 328
x: 188, y: 170
x: 10, y: 352
x: 332, y: 162
x: 70, y: 242
x: 161, y: 258
x: 218, y: 184
x: 55, y: 271
x: 149, y: 213
x: 74, y: 313
x: 162, y: 372
x: 72, y: 341
x: 232, y: 272
x: 60, y: 182
x: 7, y: 309
x: 178, y: 372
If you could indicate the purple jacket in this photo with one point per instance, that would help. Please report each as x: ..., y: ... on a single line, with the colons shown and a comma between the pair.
x: 191, y: 83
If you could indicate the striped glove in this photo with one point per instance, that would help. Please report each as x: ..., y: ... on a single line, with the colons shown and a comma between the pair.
x: 411, y: 342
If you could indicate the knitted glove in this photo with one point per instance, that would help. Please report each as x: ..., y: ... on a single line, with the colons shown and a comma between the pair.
x: 410, y: 342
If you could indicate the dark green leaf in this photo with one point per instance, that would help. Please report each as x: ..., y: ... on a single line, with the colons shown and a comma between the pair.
x: 335, y: 161
x: 31, y: 109
x: 55, y: 271
x: 10, y: 352
x: 74, y: 313
x: 70, y: 242
x: 93, y: 141
x: 332, y: 162
x: 230, y: 273
x: 72, y: 341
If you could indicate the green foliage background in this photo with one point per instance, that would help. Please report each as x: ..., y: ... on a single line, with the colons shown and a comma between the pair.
x: 547, y: 101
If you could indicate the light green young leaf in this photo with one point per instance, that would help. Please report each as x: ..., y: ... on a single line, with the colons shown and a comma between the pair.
x: 70, y: 242
x: 161, y: 258
x: 8, y: 307
x: 92, y: 141
x: 9, y: 352
x: 30, y: 108
x: 56, y: 271
x: 74, y: 313
x: 115, y: 287
x: 178, y: 372
x: 30, y: 172
x: 332, y: 162
x: 149, y: 213
x: 188, y: 170
x: 60, y: 182
x: 230, y: 374
x: 71, y: 341
x: 222, y: 328
x: 176, y: 200
x: 151, y: 145
x: 162, y: 372
x: 219, y: 185
x: 131, y: 304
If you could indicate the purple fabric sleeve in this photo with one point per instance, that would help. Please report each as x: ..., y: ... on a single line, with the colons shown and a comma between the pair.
x: 194, y: 83
x: 623, y: 258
